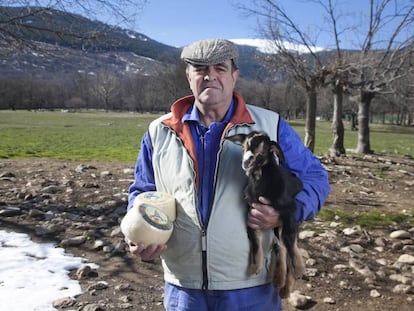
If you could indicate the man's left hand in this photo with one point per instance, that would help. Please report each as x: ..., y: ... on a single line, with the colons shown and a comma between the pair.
x: 262, y: 216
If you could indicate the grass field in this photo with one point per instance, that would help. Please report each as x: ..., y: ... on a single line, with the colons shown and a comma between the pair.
x: 116, y: 136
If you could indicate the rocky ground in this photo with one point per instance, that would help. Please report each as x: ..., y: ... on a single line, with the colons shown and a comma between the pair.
x: 349, y: 267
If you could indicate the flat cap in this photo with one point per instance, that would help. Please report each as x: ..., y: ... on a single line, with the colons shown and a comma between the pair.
x: 210, y: 52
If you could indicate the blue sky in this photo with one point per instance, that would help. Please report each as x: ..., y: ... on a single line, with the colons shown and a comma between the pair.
x: 181, y: 22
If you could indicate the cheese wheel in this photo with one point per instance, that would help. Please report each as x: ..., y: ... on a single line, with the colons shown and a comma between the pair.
x: 161, y: 200
x: 145, y: 223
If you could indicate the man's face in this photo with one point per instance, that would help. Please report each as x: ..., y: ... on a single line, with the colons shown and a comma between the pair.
x: 213, y: 84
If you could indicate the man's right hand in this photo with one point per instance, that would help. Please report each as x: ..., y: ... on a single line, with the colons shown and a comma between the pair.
x: 148, y: 253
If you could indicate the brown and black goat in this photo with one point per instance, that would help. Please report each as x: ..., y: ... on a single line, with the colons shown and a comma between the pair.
x: 266, y: 178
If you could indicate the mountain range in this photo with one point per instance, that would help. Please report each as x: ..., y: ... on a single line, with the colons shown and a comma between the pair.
x: 52, y: 42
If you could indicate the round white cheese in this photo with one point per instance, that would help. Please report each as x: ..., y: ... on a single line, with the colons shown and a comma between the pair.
x: 145, y: 223
x: 161, y: 200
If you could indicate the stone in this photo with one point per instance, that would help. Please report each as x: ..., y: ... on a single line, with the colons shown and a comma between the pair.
x: 298, y: 300
x: 10, y: 211
x: 64, y: 302
x: 306, y: 234
x: 74, y: 241
x: 403, y: 289
x: 329, y: 300
x: 374, y: 293
x: 405, y: 258
x: 400, y: 234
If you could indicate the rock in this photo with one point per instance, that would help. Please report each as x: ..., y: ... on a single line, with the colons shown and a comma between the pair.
x: 51, y: 189
x: 306, y: 234
x: 8, y: 176
x: 400, y: 234
x: 105, y: 173
x: 128, y: 171
x: 340, y: 267
x: 311, y: 272
x: 93, y: 307
x: 36, y: 213
x: 380, y: 241
x: 361, y: 268
x: 98, y: 244
x: 403, y: 289
x: 382, y: 261
x: 75, y: 241
x: 85, y: 272
x: 400, y: 278
x: 125, y: 298
x: 353, y: 248
x: 334, y: 224
x: 64, y: 302
x: 298, y: 300
x: 101, y: 285
x: 83, y: 168
x: 329, y: 300
x: 374, y: 293
x: 408, y: 259
x: 123, y: 287
x: 352, y: 231
x: 10, y: 211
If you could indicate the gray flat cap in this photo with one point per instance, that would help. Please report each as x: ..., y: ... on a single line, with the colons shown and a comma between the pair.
x: 210, y: 52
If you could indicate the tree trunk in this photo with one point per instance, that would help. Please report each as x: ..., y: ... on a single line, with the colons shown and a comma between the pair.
x: 363, y: 122
x: 310, y: 117
x: 337, y: 148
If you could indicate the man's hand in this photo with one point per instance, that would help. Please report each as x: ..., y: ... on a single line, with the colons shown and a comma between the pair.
x: 148, y: 253
x: 262, y: 216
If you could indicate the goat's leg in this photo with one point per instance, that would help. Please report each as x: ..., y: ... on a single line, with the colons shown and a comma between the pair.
x: 256, y: 250
x: 279, y: 265
x: 298, y: 263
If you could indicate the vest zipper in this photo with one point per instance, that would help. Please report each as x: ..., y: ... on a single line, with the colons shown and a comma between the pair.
x: 204, y: 258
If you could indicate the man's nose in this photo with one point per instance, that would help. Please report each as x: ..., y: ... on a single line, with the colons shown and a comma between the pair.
x: 210, y: 74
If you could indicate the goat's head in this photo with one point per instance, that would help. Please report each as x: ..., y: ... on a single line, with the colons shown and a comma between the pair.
x: 258, y: 150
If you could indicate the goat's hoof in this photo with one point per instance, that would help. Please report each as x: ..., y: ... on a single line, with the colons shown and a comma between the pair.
x: 255, y: 268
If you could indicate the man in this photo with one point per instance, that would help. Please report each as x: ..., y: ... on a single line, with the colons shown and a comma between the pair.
x: 184, y: 153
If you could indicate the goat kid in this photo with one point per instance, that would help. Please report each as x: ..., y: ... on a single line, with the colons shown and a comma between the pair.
x: 265, y: 178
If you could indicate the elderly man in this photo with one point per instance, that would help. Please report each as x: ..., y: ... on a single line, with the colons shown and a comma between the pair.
x: 185, y: 154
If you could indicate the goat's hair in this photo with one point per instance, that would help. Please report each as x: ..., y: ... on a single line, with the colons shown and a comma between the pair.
x: 267, y: 179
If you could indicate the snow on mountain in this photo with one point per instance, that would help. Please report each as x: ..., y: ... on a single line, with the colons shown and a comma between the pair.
x: 267, y: 46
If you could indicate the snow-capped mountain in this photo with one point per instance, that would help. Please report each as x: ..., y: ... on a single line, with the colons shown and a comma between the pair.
x: 268, y: 47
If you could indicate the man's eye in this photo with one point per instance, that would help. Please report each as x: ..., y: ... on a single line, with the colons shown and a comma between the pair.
x: 221, y: 68
x: 199, y: 69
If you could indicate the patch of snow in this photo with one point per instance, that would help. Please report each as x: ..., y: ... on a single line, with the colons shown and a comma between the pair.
x: 34, y: 275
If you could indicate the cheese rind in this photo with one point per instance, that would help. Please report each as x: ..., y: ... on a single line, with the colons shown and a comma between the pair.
x: 145, y: 223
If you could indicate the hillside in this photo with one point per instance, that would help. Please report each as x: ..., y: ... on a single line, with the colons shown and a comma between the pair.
x: 46, y: 43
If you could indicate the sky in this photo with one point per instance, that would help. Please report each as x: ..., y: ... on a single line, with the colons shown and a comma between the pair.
x: 33, y: 275
x: 180, y: 22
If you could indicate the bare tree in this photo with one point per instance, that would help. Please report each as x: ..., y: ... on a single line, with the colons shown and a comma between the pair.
x: 19, y: 17
x: 378, y: 68
x: 106, y: 88
x: 384, y: 57
x: 305, y: 66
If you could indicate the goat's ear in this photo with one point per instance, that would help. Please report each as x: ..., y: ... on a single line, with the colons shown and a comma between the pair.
x: 238, y: 138
x: 277, y: 151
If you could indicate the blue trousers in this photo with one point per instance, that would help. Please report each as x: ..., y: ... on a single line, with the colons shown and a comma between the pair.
x: 259, y: 298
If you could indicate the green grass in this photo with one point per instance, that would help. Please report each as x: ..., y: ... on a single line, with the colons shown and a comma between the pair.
x: 102, y: 136
x: 75, y: 136
x: 367, y: 219
x: 384, y: 138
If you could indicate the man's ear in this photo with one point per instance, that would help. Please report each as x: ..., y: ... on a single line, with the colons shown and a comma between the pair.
x: 235, y: 75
